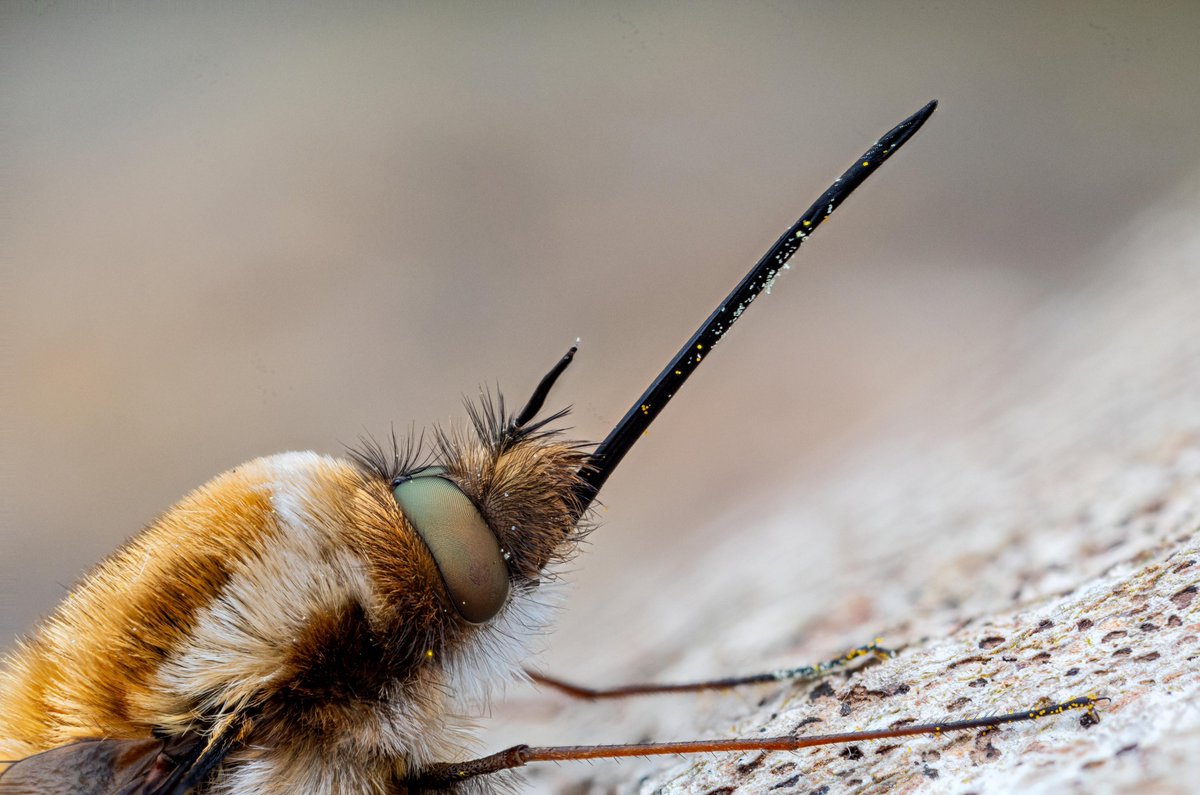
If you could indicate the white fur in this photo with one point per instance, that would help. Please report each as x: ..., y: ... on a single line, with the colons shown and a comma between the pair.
x: 244, y: 635
x: 499, y: 651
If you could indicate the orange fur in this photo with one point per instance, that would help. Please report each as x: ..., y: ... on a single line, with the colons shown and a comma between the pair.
x: 86, y: 666
x: 291, y: 596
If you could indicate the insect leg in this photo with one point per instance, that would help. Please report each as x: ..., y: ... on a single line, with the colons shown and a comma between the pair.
x: 444, y: 775
x: 783, y: 675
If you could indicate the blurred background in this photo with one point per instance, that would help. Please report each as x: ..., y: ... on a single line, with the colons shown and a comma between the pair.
x: 233, y: 231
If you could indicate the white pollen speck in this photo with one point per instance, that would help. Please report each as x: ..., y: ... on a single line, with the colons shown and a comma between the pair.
x: 771, y: 277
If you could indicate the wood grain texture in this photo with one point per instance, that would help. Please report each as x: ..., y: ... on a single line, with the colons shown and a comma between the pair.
x: 1037, y: 539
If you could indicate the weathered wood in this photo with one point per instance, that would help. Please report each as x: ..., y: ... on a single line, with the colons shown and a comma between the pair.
x: 1036, y: 538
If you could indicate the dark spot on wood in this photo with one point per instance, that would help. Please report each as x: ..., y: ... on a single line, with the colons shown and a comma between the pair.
x: 1008, y: 658
x: 1116, y: 633
x: 1148, y: 626
x: 1093, y: 764
x: 991, y: 642
x: 1042, y: 656
x: 1174, y: 621
x: 980, y: 682
x: 805, y: 722
x: 851, y: 752
x: 1152, y: 506
x: 722, y: 791
x: 786, y: 782
x: 783, y: 767
x: 885, y: 749
x: 1072, y: 671
x: 821, y: 691
x: 1085, y: 624
x: 860, y: 694
x: 930, y: 772
x: 958, y: 703
x: 1045, y: 623
x: 901, y: 689
x: 1182, y: 566
x: 1123, y: 652
x: 1149, y: 657
x: 1184, y: 598
x: 752, y: 765
x: 821, y: 790
x: 1127, y: 749
x: 985, y: 748
x: 965, y: 660
x: 846, y: 709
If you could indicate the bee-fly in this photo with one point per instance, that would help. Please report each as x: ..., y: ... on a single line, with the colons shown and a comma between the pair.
x: 308, y: 624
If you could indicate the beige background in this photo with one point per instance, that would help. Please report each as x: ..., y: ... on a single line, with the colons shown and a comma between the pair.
x: 231, y: 233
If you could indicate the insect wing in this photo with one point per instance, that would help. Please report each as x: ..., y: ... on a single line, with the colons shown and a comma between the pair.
x: 103, y: 767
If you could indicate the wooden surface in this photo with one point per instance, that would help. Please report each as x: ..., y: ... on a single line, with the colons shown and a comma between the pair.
x: 1035, y: 541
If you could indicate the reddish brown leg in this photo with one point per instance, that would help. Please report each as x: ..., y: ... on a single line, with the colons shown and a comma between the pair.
x: 445, y: 775
x: 783, y: 675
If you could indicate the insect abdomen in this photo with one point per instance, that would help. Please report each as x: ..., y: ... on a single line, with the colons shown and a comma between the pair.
x: 258, y: 594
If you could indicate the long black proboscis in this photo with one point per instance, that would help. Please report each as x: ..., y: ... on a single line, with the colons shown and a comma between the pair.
x: 608, y: 454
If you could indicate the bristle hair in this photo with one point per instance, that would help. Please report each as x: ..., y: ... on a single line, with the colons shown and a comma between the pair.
x: 395, y: 460
x: 522, y: 479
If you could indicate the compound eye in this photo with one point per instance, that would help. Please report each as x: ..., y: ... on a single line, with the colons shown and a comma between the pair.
x: 466, y: 551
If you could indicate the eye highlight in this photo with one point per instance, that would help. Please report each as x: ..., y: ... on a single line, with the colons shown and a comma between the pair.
x: 465, y: 549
